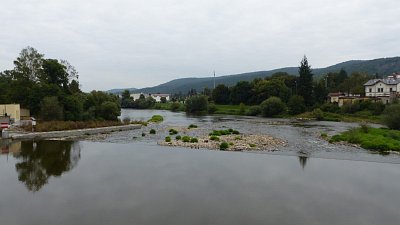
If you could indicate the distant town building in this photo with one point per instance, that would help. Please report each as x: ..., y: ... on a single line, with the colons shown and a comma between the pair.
x: 156, y: 97
x: 136, y: 96
x: 386, y: 89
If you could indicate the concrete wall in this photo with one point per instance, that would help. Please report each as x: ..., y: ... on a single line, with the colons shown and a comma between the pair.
x: 71, y: 133
x: 12, y: 110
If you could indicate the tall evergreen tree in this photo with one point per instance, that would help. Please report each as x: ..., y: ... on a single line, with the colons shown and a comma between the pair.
x: 306, y: 82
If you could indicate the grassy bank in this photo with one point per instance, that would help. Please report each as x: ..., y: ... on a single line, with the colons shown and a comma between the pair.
x: 46, y: 126
x: 231, y: 109
x: 380, y: 139
x: 336, y: 117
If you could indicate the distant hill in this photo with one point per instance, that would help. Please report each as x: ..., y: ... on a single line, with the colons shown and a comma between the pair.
x: 382, y: 67
x: 120, y: 90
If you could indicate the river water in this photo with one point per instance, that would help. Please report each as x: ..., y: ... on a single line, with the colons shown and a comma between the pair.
x: 123, y: 178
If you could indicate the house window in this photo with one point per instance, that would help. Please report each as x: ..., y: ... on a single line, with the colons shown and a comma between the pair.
x: 391, y: 89
x: 370, y: 90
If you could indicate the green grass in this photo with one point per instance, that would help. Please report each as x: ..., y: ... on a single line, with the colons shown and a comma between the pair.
x: 357, y: 118
x: 231, y: 109
x: 156, y: 119
x: 380, y: 139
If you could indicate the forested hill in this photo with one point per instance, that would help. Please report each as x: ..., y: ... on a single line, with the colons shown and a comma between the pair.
x: 381, y: 67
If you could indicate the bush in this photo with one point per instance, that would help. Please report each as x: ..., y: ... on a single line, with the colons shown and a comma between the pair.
x: 185, y: 138
x: 110, y: 110
x: 156, y: 119
x: 330, y: 107
x: 272, y: 106
x: 194, y: 140
x: 377, y: 108
x: 152, y: 131
x: 126, y: 120
x: 254, y: 111
x: 143, y: 134
x: 391, y: 116
x: 212, y: 108
x: 168, y: 139
x: 296, y: 105
x: 176, y: 106
x: 173, y: 132
x: 197, y: 103
x: 223, y: 146
x: 252, y: 145
x: 214, y: 138
x: 178, y: 137
x: 192, y: 126
x: 351, y: 107
x: 223, y: 132
x: 318, y: 114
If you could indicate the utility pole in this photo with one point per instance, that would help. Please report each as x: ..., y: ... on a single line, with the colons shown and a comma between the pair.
x: 214, y: 79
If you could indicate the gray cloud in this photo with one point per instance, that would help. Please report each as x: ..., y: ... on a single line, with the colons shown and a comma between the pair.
x: 143, y: 43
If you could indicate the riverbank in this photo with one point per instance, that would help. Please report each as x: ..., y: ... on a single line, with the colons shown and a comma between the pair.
x: 376, y: 139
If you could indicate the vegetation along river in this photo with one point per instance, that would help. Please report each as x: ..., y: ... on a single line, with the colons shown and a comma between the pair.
x: 126, y: 178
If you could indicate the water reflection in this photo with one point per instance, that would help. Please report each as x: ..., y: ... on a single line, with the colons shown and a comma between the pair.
x: 40, y: 160
x: 303, y: 160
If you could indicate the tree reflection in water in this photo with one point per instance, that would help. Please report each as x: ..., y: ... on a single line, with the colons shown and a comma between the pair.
x: 303, y: 160
x: 42, y: 159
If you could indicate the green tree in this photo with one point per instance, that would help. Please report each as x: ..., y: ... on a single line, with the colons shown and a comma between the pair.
x: 263, y: 89
x: 221, y: 94
x: 241, y: 93
x: 305, y: 87
x: 126, y: 99
x: 296, y: 105
x: 391, y: 116
x: 196, y: 103
x: 320, y: 91
x: 50, y: 109
x: 73, y: 107
x: 109, y: 110
x: 272, y: 106
x: 28, y: 66
x: 54, y: 73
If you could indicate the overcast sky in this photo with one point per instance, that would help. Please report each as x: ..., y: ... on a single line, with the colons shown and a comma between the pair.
x: 129, y: 43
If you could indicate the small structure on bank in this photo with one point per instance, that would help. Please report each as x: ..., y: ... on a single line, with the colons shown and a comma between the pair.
x: 14, y: 112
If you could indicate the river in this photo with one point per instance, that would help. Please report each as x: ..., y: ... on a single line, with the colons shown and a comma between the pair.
x: 123, y: 178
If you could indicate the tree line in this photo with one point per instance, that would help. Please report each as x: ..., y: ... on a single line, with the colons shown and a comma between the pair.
x: 50, y: 89
x: 295, y: 94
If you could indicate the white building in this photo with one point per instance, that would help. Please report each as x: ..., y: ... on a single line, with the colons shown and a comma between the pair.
x: 158, y: 97
x: 385, y: 89
x: 136, y: 96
